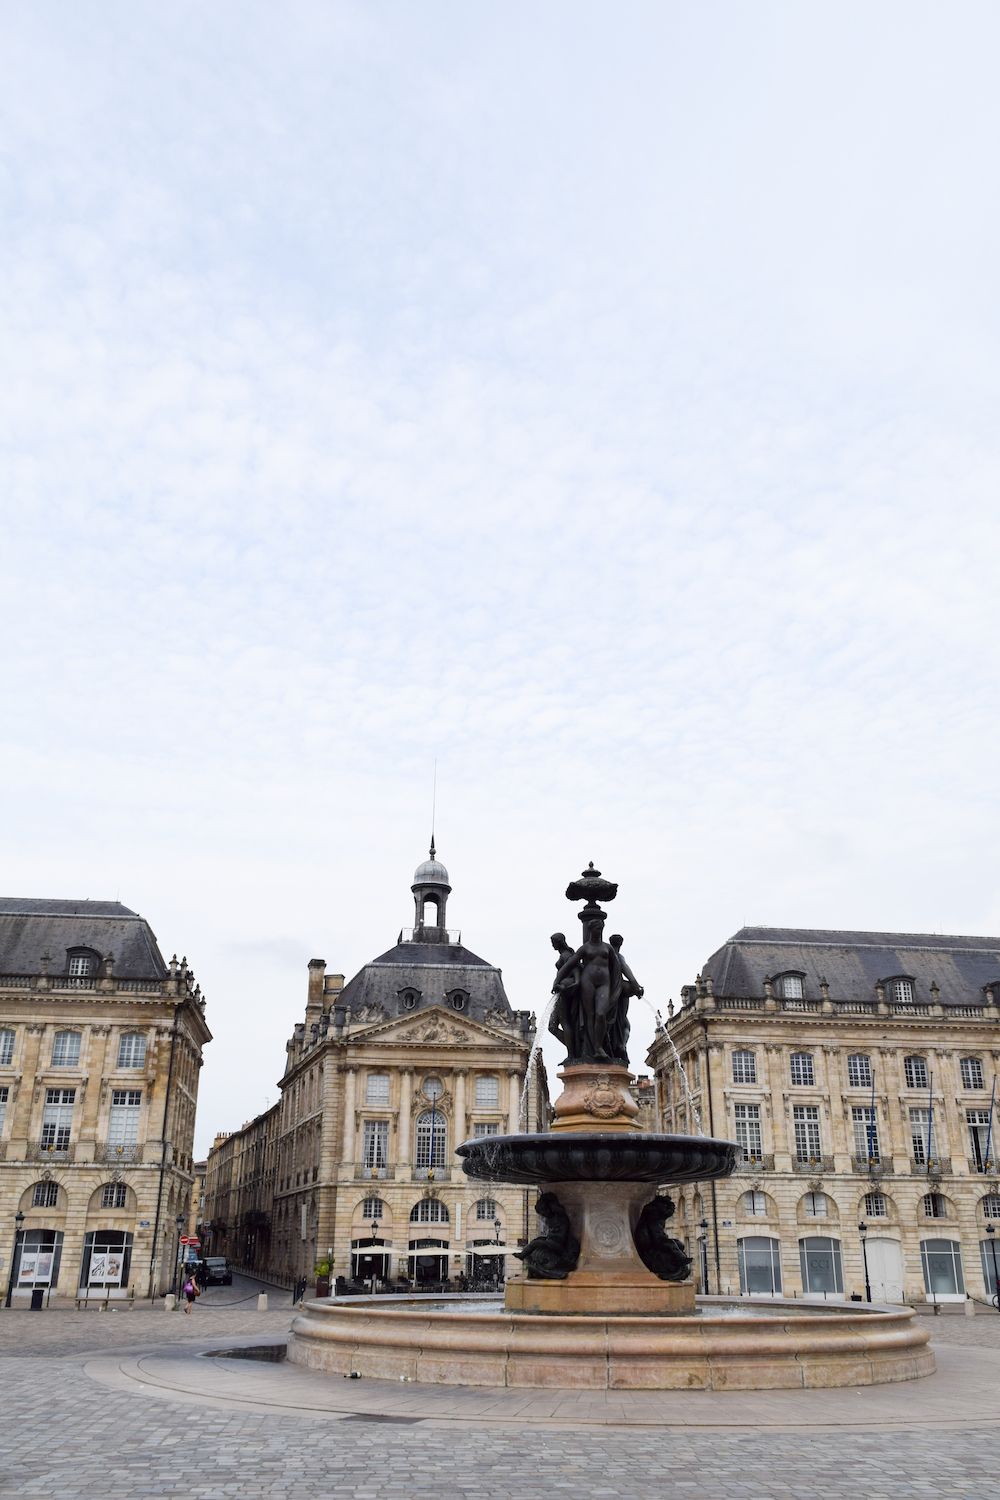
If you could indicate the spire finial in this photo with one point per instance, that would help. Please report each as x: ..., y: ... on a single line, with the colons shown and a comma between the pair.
x: 433, y: 850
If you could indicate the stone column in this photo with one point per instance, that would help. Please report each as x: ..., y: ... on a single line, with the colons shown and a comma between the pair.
x: 350, y: 1124
x: 513, y: 1101
x: 461, y: 1129
x: 405, y: 1117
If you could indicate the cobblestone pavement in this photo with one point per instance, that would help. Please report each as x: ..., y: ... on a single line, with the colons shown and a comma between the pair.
x: 71, y: 1430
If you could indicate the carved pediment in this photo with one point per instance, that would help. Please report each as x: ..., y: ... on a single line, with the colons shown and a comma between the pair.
x: 433, y: 1027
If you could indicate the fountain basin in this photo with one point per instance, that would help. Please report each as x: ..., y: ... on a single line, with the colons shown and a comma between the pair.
x: 596, y: 1156
x: 724, y: 1346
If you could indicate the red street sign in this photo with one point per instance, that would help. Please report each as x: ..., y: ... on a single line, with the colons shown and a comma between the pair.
x: 189, y: 1239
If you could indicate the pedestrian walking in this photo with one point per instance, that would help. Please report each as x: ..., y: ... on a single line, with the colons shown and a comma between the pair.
x: 191, y: 1291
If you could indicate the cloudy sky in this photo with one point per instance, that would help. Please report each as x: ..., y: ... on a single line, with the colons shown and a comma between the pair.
x: 599, y: 398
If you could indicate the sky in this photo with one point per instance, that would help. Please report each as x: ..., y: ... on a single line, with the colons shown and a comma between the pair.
x: 597, y: 399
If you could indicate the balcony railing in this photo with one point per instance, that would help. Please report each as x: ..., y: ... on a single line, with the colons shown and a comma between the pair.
x: 933, y: 1168
x: 989, y: 1167
x: 752, y: 1164
x: 117, y: 1151
x: 431, y: 1174
x: 812, y: 1006
x: 812, y: 1164
x: 382, y: 1173
x: 855, y: 1007
x: 873, y: 1166
x: 740, y: 1002
x: 39, y: 1152
x: 452, y: 935
x: 81, y: 982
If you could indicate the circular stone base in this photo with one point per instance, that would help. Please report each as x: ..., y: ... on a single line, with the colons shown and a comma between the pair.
x: 772, y: 1346
x: 584, y: 1294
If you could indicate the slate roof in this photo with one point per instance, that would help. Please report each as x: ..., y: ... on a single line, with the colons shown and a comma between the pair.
x: 853, y: 963
x: 31, y: 927
x: 432, y: 968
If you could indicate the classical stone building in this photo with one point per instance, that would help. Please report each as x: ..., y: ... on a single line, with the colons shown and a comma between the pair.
x: 383, y: 1078
x: 100, y: 1051
x: 856, y: 1071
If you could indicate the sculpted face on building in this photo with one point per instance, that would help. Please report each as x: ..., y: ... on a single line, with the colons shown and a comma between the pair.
x: 856, y: 1071
x: 354, y: 1169
x: 100, y: 1052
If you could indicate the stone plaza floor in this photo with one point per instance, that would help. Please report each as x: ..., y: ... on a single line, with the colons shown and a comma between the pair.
x: 133, y: 1404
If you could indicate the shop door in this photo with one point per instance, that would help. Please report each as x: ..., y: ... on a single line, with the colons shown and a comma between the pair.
x: 885, y: 1270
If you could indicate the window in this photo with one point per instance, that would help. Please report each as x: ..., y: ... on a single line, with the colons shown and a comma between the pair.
x: 132, y: 1050
x: 409, y: 998
x: 4, y: 1093
x: 876, y: 1206
x: 45, y: 1195
x: 432, y: 1087
x: 816, y: 1205
x: 972, y: 1073
x: 941, y: 1262
x: 377, y: 1089
x: 6, y: 1048
x: 760, y: 1265
x: 107, y: 1256
x: 744, y: 1067
x: 991, y: 1265
x: 748, y: 1130
x: 901, y: 991
x: 431, y: 1139
x: 820, y: 1262
x: 923, y: 1136
x: 754, y: 1203
x: 802, y: 1068
x: 376, y: 1144
x: 990, y: 1206
x: 428, y: 1211
x: 38, y: 1258
x: 933, y: 1206
x: 486, y: 1208
x: 66, y: 1049
x: 123, y: 1121
x: 114, y: 1195
x: 791, y: 987
x: 79, y: 966
x: 805, y: 1121
x: 487, y: 1093
x: 373, y: 1208
x: 915, y: 1071
x: 865, y: 1133
x: 485, y: 1127
x: 57, y: 1119
x: 859, y: 1071
x: 983, y: 1153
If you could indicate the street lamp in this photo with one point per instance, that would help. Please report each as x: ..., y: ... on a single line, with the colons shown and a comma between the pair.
x: 179, y: 1221
x: 863, y: 1232
x: 991, y: 1231
x: 18, y: 1221
x: 703, y: 1242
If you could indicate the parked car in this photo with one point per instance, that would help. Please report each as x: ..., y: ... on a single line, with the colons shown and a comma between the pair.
x: 216, y: 1271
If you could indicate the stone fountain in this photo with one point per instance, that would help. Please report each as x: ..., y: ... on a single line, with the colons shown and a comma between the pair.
x: 605, y: 1297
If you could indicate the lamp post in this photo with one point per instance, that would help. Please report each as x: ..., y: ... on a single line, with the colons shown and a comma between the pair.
x: 499, y: 1262
x: 703, y: 1244
x: 18, y: 1221
x: 863, y: 1232
x: 375, y: 1229
x: 179, y: 1222
x: 991, y: 1231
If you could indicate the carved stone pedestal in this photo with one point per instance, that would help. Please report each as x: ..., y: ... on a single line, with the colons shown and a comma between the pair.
x: 610, y: 1278
x: 595, y: 1096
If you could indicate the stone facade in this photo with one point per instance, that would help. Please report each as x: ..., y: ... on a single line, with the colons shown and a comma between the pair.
x: 100, y: 1052
x: 856, y: 1071
x: 383, y: 1078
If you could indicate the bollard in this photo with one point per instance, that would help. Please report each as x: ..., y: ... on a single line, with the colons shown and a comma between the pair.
x: 262, y: 1302
x: 970, y: 1308
x: 169, y: 1302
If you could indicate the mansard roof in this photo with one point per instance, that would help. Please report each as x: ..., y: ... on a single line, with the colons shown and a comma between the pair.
x: 853, y: 963
x: 31, y: 927
x: 432, y: 969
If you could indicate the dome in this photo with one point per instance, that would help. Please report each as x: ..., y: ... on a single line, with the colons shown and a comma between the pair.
x: 431, y: 872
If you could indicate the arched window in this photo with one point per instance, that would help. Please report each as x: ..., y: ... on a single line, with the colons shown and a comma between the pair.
x: 744, y: 1067
x: 432, y: 1138
x: 820, y: 1262
x: 429, y: 1211
x: 66, y: 1049
x: 487, y: 1092
x: 44, y: 1195
x: 876, y: 1206
x: 373, y: 1208
x: 107, y: 1256
x: 859, y: 1070
x: 486, y: 1208
x: 802, y: 1071
x: 6, y: 1047
x: 915, y: 1072
x: 132, y: 1050
x: 972, y: 1073
x: 114, y: 1195
x: 934, y: 1206
x: 754, y: 1203
x: 990, y: 1206
x: 815, y: 1206
x: 759, y: 1259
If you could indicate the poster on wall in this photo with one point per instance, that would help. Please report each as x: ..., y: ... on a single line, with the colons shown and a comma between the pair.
x: 106, y: 1268
x: 36, y: 1265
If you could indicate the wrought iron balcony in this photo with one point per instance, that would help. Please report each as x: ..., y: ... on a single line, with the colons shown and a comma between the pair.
x: 431, y: 1174
x: 753, y: 1164
x: 38, y: 1151
x: 812, y: 1164
x: 117, y: 1151
x: 873, y: 1166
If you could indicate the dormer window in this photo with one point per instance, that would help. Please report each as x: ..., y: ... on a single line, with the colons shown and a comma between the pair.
x: 790, y: 987
x: 900, y: 991
x: 457, y: 999
x: 81, y: 966
x: 408, y: 999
